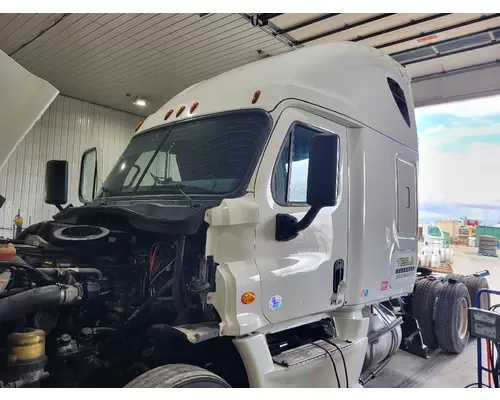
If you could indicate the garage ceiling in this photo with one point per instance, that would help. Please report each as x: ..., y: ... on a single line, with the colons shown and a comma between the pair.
x: 103, y: 57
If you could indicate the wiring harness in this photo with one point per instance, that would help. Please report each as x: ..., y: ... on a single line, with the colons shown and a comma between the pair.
x: 158, y: 264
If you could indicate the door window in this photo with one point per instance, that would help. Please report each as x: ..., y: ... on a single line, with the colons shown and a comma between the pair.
x: 289, y: 182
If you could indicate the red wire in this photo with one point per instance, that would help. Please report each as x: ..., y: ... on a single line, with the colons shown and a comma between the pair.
x: 152, y: 257
x: 155, y: 266
x: 488, y: 356
x: 152, y: 253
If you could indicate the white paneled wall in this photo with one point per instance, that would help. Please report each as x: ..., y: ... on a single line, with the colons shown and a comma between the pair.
x: 64, y: 132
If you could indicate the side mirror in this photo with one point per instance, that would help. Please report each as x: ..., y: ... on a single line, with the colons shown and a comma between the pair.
x: 321, y: 185
x: 88, y: 176
x: 56, y: 183
x: 322, y: 173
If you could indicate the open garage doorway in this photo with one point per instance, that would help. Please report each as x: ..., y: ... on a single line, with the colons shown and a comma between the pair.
x: 459, y: 148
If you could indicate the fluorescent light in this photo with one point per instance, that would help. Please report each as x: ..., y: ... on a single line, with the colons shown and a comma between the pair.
x: 140, y: 102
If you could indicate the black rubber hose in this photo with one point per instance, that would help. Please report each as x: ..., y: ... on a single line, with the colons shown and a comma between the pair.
x: 177, y: 291
x: 148, y: 302
x: 103, y: 329
x: 79, y: 271
x: 12, y: 292
x: 39, y: 277
x: 28, y: 302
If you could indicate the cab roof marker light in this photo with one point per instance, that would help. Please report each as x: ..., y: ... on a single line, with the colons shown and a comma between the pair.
x: 138, y: 126
x: 193, y: 107
x: 256, y: 96
x: 179, y: 112
x: 168, y: 114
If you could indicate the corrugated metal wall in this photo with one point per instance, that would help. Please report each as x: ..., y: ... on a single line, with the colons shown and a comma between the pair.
x: 64, y: 132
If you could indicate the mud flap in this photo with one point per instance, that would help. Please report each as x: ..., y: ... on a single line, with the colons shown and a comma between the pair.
x: 412, y: 339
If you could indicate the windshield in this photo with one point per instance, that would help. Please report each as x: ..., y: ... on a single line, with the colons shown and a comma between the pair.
x: 434, y: 231
x: 212, y: 155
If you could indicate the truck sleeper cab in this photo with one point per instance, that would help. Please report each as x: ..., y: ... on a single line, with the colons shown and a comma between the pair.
x: 359, y: 250
x: 297, y: 176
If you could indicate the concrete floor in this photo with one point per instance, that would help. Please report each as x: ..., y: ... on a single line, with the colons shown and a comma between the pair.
x: 442, y: 370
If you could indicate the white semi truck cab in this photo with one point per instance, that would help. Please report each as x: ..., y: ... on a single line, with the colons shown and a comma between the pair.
x: 271, y: 209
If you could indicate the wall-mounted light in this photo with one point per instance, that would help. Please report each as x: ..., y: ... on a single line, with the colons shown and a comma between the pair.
x: 140, y: 102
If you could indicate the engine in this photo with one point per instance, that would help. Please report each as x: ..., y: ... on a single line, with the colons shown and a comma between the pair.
x: 78, y: 301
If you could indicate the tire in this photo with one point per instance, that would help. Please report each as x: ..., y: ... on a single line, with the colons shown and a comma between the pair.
x: 424, y: 298
x: 178, y: 376
x: 451, y: 319
x: 474, y: 283
x: 455, y: 277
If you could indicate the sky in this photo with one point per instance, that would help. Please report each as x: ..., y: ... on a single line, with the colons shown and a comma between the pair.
x: 459, y: 171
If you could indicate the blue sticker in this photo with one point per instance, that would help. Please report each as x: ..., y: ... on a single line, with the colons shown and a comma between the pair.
x: 366, y: 292
x: 275, y: 302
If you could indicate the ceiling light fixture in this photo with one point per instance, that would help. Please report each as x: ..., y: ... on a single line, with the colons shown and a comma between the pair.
x: 140, y: 102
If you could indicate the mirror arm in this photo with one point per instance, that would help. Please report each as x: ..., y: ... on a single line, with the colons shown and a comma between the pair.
x: 288, y: 227
x: 61, y: 208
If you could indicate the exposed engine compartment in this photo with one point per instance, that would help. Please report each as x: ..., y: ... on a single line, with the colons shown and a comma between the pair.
x: 90, y: 290
x: 98, y: 302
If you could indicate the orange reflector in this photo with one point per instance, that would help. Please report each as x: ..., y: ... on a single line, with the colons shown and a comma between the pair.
x: 247, y: 298
x: 256, y: 96
x: 138, y: 126
x: 168, y: 114
x: 193, y: 107
x: 179, y: 112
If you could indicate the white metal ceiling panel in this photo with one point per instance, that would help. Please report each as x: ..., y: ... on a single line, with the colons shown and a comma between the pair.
x: 285, y: 21
x: 20, y: 28
x: 452, y: 20
x: 329, y: 24
x: 419, y: 30
x: 96, y: 50
x: 372, y: 27
x: 102, y: 57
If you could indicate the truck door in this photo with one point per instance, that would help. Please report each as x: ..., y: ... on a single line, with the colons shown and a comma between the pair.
x: 297, y: 276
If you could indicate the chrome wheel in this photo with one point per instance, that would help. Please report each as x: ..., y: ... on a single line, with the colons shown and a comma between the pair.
x: 462, y: 318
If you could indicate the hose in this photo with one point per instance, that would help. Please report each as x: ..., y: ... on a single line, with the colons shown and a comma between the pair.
x: 103, y: 329
x: 148, y: 302
x: 73, y: 271
x: 40, y: 277
x: 11, y: 292
x: 28, y: 302
x: 177, y: 279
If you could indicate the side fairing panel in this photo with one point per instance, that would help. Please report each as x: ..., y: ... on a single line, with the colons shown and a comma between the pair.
x: 383, y: 217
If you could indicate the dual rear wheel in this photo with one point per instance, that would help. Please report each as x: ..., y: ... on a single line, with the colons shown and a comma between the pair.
x: 441, y: 308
